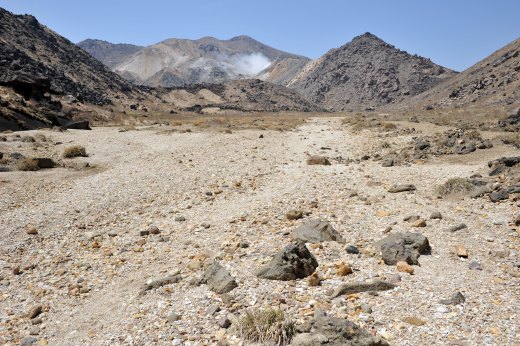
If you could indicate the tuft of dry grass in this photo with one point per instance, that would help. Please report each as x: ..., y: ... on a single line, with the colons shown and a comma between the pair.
x: 455, y: 186
x: 28, y: 164
x: 74, y: 151
x: 510, y: 139
x: 266, y: 327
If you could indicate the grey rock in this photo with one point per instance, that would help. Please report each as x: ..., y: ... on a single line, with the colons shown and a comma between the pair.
x: 411, y: 218
x: 154, y: 230
x: 479, y: 191
x: 78, y: 125
x: 44, y: 162
x: 171, y: 279
x: 403, y: 247
x: 485, y: 144
x: 401, y: 188
x: 173, y: 317
x: 361, y: 286
x: 212, y: 309
x: 218, y: 279
x: 30, y: 340
x: 35, y: 311
x: 317, y: 231
x: 224, y: 322
x: 332, y: 331
x: 436, y: 215
x: 456, y: 228
x: 387, y: 163
x: 497, y: 169
x: 455, y: 299
x: 499, y: 195
x: 465, y: 149
x: 475, y: 266
x: 293, y: 262
x: 180, y: 218
x: 351, y: 249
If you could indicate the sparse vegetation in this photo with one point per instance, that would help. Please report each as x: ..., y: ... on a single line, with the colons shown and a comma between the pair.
x: 267, y: 327
x: 455, y: 186
x: 74, y: 151
x: 474, y: 135
x: 28, y: 164
x: 511, y: 139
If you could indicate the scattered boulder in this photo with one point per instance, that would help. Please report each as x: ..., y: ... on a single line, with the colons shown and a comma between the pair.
x: 361, y: 286
x: 77, y: 125
x: 335, y: 331
x: 35, y: 311
x: 351, y: 249
x: 317, y: 231
x: 387, y: 163
x: 465, y: 149
x: 318, y: 160
x: 436, y: 215
x: 30, y: 229
x: 403, y: 247
x: 401, y: 188
x: 218, y: 279
x: 294, y: 262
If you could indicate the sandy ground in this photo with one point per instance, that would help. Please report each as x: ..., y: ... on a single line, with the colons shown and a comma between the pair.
x: 87, y: 263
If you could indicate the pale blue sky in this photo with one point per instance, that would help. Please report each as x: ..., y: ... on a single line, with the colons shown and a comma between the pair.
x: 455, y: 34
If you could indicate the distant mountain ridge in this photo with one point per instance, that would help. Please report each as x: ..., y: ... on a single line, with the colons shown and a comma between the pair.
x: 366, y: 72
x: 176, y: 62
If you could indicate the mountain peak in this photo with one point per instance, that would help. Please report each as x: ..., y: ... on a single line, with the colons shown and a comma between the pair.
x: 367, y: 36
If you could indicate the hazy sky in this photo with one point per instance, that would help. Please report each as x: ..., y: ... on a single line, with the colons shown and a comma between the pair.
x: 454, y: 33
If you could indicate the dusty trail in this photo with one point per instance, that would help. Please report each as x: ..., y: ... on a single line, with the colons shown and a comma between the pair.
x: 241, y: 185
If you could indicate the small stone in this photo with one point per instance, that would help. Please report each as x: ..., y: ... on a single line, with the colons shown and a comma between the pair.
x: 34, y: 330
x: 404, y: 267
x: 419, y: 223
x: 387, y: 163
x: 401, y: 188
x: 443, y: 309
x: 30, y: 229
x: 414, y: 321
x: 173, y: 317
x: 144, y: 232
x: 224, y: 322
x: 475, y: 266
x: 314, y: 279
x: 212, y: 309
x: 343, y: 270
x: 461, y: 251
x: 37, y: 320
x: 34, y: 311
x: 180, y: 218
x: 351, y: 249
x: 357, y: 287
x: 28, y: 341
x: 154, y: 230
x: 436, y: 215
x: 382, y: 213
x: 455, y: 299
x: 456, y: 228
x: 294, y: 215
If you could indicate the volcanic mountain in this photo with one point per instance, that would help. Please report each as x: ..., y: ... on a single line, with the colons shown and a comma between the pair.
x: 177, y: 62
x: 366, y: 72
x: 492, y: 82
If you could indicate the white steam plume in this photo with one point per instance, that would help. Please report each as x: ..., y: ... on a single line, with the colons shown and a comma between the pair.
x: 251, y: 64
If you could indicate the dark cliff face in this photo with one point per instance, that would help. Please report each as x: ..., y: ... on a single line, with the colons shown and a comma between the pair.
x: 367, y: 72
x: 39, y: 65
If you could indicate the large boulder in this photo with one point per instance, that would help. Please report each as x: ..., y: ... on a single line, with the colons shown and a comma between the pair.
x: 294, y: 262
x: 333, y: 331
x: 218, y: 279
x: 317, y: 231
x: 403, y: 247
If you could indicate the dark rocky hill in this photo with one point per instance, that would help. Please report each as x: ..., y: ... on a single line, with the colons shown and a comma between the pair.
x: 366, y: 72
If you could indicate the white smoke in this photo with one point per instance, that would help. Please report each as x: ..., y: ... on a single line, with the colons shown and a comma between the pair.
x: 251, y: 64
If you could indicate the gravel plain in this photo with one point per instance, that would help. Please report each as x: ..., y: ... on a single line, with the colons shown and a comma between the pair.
x: 224, y: 197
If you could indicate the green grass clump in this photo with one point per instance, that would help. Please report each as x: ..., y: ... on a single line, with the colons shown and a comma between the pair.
x: 266, y: 327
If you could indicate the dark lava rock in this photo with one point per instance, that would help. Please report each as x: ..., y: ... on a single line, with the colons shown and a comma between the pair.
x: 78, y: 125
x: 218, y: 279
x: 317, y: 231
x: 456, y: 228
x: 44, y: 162
x: 499, y: 195
x: 170, y: 279
x: 351, y: 249
x: 294, y: 262
x: 403, y: 247
x: 333, y: 331
x: 465, y: 149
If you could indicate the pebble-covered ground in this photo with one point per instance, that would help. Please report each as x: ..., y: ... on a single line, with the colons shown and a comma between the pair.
x: 74, y: 252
